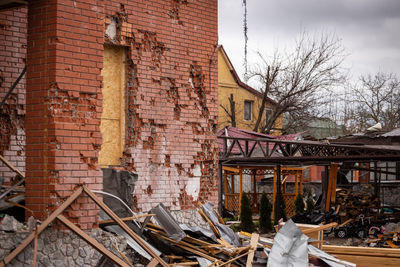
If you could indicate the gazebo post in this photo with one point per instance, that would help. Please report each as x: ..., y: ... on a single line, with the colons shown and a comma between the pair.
x: 226, y: 189
x: 301, y: 181
x: 278, y: 213
x: 240, y: 187
x: 274, y: 194
x: 255, y: 198
x: 296, y: 185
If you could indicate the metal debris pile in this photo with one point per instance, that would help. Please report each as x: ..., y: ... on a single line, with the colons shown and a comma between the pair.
x: 184, y: 245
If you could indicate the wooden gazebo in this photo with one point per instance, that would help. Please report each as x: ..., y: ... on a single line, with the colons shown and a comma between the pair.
x: 238, y: 154
x: 250, y: 175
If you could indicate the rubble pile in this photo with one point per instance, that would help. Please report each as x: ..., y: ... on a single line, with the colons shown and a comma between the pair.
x: 352, y: 203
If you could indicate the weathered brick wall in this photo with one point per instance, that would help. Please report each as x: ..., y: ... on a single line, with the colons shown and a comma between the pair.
x: 64, y: 58
x: 12, y: 61
x: 171, y: 100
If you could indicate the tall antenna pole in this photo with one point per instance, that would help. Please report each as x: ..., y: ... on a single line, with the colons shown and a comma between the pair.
x: 246, y: 77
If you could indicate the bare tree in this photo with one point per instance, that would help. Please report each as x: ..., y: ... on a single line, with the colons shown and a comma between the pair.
x: 296, y: 80
x: 231, y: 113
x: 374, y: 98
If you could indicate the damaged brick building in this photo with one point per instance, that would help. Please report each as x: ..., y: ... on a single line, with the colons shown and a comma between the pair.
x: 128, y: 85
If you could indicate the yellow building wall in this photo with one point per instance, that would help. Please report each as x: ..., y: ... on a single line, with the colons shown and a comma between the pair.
x: 227, y: 86
x: 113, y: 115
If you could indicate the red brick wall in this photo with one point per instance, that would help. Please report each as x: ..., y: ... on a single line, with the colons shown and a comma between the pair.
x: 172, y: 101
x: 65, y: 44
x: 12, y: 62
x: 172, y: 87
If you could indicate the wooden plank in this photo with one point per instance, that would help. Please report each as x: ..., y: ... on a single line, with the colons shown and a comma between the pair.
x: 334, y: 182
x: 240, y: 189
x: 253, y: 247
x: 153, y: 263
x: 43, y: 226
x: 187, y: 263
x: 225, y: 189
x: 363, y: 251
x: 210, y: 223
x: 274, y: 195
x: 127, y: 218
x: 366, y: 256
x: 232, y: 260
x: 180, y: 242
x: 331, y: 185
x: 391, y: 244
x: 91, y: 241
x: 12, y: 167
x: 35, y: 244
x: 231, y: 169
x: 319, y: 228
x: 123, y: 225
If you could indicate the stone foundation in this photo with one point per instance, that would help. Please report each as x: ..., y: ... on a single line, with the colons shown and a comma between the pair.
x: 60, y: 248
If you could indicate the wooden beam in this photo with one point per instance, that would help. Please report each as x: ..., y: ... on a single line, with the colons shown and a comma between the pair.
x: 331, y: 185
x: 226, y: 189
x: 125, y: 227
x: 152, y: 263
x: 127, y: 218
x: 334, y: 182
x: 240, y: 189
x: 12, y: 167
x: 232, y: 260
x: 301, y: 181
x: 253, y: 247
x: 274, y: 195
x: 319, y: 228
x: 210, y: 223
x: 43, y: 226
x: 230, y: 169
x: 91, y: 241
x: 366, y: 256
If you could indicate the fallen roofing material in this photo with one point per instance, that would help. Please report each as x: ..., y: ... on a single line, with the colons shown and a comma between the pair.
x: 225, y: 231
x: 165, y: 219
x: 289, y: 248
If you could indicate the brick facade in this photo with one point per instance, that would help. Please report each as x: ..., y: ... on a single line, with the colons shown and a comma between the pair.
x: 171, y: 100
x: 12, y: 61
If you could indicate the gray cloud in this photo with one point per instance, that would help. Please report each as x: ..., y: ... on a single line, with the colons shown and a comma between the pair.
x: 369, y: 29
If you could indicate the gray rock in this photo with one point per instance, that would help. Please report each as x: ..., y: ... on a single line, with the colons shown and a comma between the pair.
x: 82, y: 253
x: 10, y: 224
x: 69, y: 250
x: 79, y: 262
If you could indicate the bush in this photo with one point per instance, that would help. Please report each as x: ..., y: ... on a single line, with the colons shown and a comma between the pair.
x: 299, y: 204
x: 309, y: 202
x: 246, y: 215
x: 265, y: 214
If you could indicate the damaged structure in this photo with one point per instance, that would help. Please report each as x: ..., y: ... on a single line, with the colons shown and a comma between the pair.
x: 113, y: 90
x: 126, y: 85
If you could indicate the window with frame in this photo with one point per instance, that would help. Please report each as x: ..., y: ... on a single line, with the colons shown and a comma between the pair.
x: 248, y: 110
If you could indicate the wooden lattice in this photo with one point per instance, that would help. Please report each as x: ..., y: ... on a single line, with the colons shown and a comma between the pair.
x: 289, y: 202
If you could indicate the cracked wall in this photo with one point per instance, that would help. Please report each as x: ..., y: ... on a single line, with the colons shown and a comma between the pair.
x: 169, y: 135
x: 171, y: 99
x: 12, y: 113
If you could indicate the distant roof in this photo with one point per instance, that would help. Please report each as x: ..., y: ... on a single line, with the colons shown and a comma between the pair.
x: 395, y: 132
x: 239, y: 82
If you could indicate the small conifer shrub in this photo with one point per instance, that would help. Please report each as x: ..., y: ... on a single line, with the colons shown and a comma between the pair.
x: 246, y: 215
x: 265, y: 214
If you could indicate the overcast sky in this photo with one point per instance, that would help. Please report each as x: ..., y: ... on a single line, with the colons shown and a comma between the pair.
x: 369, y: 29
